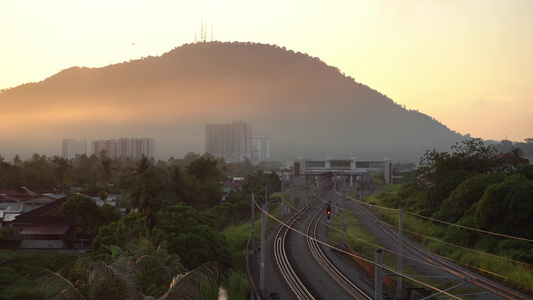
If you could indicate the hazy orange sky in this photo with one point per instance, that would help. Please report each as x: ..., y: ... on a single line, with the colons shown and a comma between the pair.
x: 466, y: 63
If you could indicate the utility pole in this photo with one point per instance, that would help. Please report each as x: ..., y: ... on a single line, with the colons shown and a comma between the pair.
x: 379, y: 275
x: 263, y: 242
x: 400, y: 238
x: 342, y: 225
x: 282, y: 198
x: 362, y: 187
x: 292, y: 195
x: 253, y: 223
x: 334, y: 200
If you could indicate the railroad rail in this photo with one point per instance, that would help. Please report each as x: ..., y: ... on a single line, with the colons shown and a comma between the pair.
x: 433, y: 259
x: 282, y: 260
x: 314, y: 245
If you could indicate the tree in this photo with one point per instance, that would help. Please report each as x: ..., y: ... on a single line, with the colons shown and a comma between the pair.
x: 150, y: 203
x: 122, y: 281
x: 155, y: 267
x: 505, y: 207
x: 465, y: 195
x: 106, y: 176
x: 62, y: 167
x: 196, y: 284
x: 85, y: 212
x: 17, y: 161
x: 193, y: 235
x: 180, y: 185
x: 102, y: 195
x: 38, y: 173
x: 84, y: 169
x: 256, y: 182
x: 4, y: 171
x: 526, y: 170
x: 125, y: 233
x: 204, y: 177
x: 470, y: 156
x: 511, y: 160
x: 143, y: 166
x: 442, y: 172
x: 203, y: 169
x: 190, y: 157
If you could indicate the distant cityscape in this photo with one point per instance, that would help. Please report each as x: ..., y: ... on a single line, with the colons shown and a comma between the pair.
x: 232, y: 141
x: 113, y: 147
x: 235, y: 143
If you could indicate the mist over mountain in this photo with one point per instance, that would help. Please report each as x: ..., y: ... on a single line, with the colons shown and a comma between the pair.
x: 304, y: 106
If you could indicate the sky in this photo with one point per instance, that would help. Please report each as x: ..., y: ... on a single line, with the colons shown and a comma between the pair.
x: 466, y: 63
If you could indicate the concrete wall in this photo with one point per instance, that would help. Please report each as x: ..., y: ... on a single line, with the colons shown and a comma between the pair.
x: 41, y: 244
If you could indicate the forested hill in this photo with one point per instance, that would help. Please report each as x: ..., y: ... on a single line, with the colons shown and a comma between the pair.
x: 304, y: 106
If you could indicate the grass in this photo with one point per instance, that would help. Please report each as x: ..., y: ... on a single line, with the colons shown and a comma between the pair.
x: 22, y: 288
x: 19, y: 272
x: 358, y: 238
x: 362, y: 241
x: 237, y: 235
x: 515, y: 275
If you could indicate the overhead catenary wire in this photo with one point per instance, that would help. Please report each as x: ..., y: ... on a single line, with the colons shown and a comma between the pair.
x: 470, y: 228
x: 393, y: 210
x: 447, y: 223
x: 526, y: 265
x: 390, y: 269
x: 467, y: 249
x: 455, y: 245
x: 487, y: 285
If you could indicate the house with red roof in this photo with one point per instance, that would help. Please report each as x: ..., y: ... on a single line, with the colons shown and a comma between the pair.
x: 15, y: 195
x: 45, y: 228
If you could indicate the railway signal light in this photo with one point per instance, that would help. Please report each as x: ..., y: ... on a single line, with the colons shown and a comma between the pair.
x: 328, y: 211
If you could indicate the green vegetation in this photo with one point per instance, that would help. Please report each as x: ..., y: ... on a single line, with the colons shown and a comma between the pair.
x: 482, y: 193
x: 20, y: 271
x: 84, y: 211
x: 237, y: 237
x: 180, y: 225
x: 356, y: 236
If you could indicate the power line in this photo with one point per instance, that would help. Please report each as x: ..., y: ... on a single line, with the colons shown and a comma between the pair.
x: 390, y: 269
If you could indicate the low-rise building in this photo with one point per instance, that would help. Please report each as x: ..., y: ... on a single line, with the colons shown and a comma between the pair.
x: 46, y: 229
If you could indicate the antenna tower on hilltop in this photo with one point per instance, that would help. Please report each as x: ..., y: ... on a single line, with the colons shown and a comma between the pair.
x: 203, y: 33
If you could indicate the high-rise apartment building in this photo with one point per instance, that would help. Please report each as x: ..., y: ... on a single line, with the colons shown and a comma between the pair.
x: 260, y: 149
x: 232, y: 141
x: 131, y: 147
x: 70, y: 148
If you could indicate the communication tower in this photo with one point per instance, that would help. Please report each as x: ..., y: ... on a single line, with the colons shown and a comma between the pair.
x: 203, y: 33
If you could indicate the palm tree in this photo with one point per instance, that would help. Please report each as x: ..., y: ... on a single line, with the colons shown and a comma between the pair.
x: 105, y: 171
x: 143, y: 165
x: 107, y: 282
x: 55, y: 286
x: 62, y: 167
x: 196, y: 284
x: 150, y: 202
x: 180, y: 184
x: 156, y: 266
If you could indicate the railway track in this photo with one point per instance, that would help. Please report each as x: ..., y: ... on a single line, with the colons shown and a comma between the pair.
x: 314, y: 245
x: 282, y: 259
x: 311, y: 234
x: 435, y: 261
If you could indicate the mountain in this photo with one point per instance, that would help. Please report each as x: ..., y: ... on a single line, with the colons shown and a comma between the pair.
x: 304, y: 106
